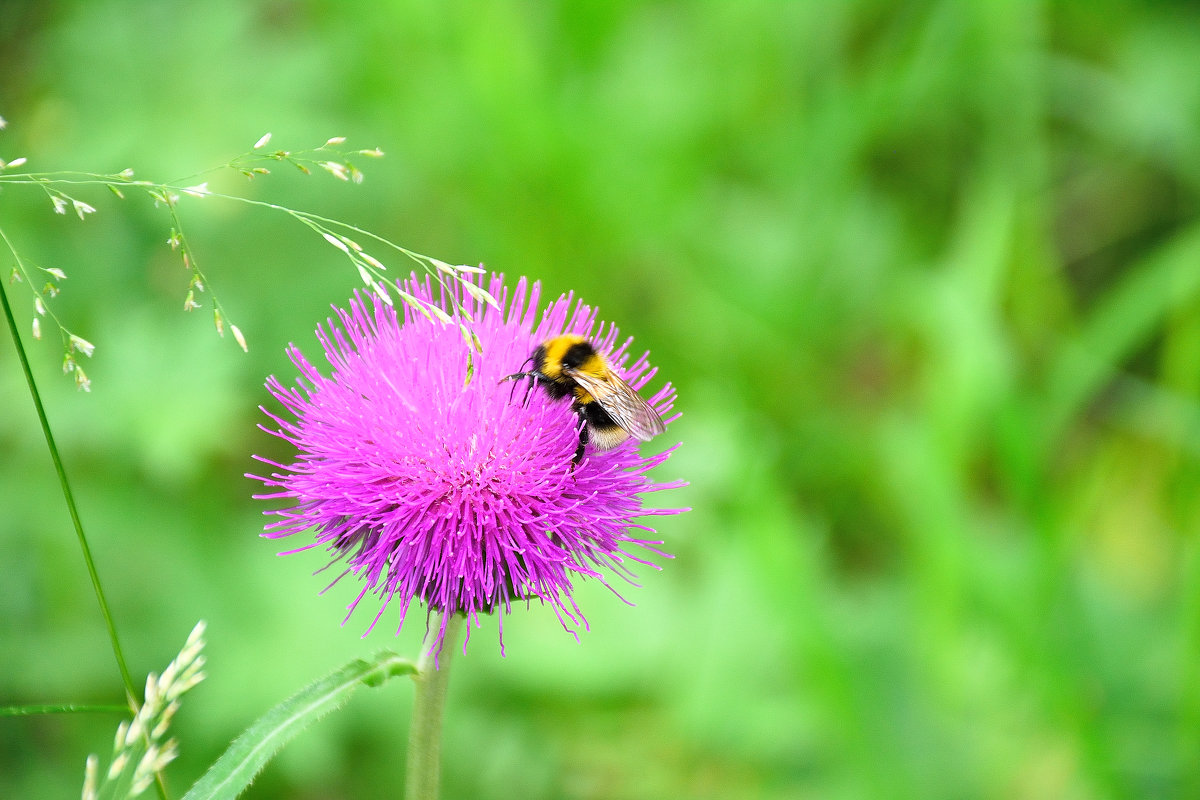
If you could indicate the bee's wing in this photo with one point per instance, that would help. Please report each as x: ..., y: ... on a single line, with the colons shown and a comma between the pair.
x: 622, y: 402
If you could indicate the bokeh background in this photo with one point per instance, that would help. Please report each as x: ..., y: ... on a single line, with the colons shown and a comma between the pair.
x: 927, y: 276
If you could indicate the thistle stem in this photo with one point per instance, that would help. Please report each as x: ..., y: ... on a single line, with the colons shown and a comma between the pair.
x: 425, y: 733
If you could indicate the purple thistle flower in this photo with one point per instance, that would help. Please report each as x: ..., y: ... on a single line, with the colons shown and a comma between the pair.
x: 458, y: 493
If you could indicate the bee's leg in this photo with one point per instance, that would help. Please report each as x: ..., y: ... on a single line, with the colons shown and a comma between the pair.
x: 519, y: 375
x: 583, y: 439
x: 514, y: 378
x: 536, y: 378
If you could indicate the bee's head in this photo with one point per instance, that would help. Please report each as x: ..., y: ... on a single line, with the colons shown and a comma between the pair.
x: 536, y: 359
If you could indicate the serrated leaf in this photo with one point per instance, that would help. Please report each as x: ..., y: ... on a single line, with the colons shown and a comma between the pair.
x: 249, y: 753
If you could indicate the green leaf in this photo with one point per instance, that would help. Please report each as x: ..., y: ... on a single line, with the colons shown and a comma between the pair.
x: 251, y: 751
x: 1130, y: 315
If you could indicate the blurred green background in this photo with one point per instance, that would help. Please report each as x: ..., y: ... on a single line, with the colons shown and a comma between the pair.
x: 927, y: 276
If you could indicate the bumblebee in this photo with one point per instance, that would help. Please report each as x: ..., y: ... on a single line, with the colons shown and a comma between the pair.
x: 610, y: 409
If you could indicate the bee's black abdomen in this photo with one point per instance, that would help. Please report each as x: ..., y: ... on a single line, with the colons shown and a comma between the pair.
x: 599, y: 428
x: 596, y: 416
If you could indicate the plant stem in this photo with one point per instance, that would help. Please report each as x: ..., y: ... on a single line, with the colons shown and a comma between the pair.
x: 61, y: 708
x: 131, y: 695
x: 425, y: 733
x: 70, y: 498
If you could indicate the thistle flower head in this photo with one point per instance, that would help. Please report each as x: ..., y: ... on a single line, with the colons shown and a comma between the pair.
x: 435, y: 482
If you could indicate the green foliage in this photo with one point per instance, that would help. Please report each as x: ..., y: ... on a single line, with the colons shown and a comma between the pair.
x: 925, y: 275
x: 233, y: 772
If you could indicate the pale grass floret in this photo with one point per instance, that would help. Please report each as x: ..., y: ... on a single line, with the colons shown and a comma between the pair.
x: 118, y: 765
x: 152, y: 694
x: 193, y: 647
x: 142, y: 776
x: 199, y: 190
x: 382, y: 291
x: 56, y: 273
x: 91, y: 775
x: 480, y: 294
x: 155, y: 760
x: 60, y: 203
x: 82, y: 208
x: 137, y: 725
x: 262, y: 142
x: 121, y: 737
x: 169, y: 199
x: 336, y: 242
x: 82, y: 345
x: 16, y: 162
x: 334, y: 141
x: 37, y: 328
x: 238, y: 337
x: 168, y: 714
x: 439, y: 313
x: 339, y: 171
x: 139, y: 743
